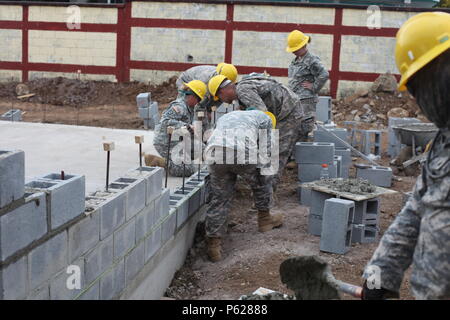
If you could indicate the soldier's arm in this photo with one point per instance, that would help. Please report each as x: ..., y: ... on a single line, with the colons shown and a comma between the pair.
x: 320, y: 75
x: 175, y: 117
x: 396, y: 248
x: 248, y: 95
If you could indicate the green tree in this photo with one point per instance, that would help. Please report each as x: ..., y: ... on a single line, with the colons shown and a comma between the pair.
x: 443, y: 4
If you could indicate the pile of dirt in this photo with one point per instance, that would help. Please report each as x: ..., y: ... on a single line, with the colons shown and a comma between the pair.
x: 71, y: 92
x: 376, y: 105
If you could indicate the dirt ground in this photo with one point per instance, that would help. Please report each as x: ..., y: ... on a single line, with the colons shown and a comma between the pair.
x: 251, y: 259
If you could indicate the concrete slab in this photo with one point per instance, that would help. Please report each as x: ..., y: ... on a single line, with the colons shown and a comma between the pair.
x: 76, y: 150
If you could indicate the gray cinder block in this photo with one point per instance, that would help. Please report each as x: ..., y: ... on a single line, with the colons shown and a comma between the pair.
x: 379, y: 176
x: 337, y: 226
x: 12, y: 115
x: 364, y: 233
x: 145, y: 113
x: 144, y: 221
x: 305, y: 196
x: 93, y: 293
x: 314, y: 224
x: 66, y: 197
x: 318, y: 201
x: 113, y: 282
x: 40, y: 293
x: 314, y: 152
x: 155, y: 184
x: 180, y: 204
x: 13, y: 280
x: 112, y: 214
x: 99, y: 259
x: 323, y: 109
x: 84, y: 235
x: 311, y: 172
x: 153, y: 243
x: 47, y: 259
x: 143, y: 100
x: 321, y: 135
x: 366, y: 210
x: 124, y: 239
x: 134, y: 262
x: 345, y: 153
x: 162, y: 205
x: 135, y: 191
x: 58, y: 284
x: 339, y: 169
x: 23, y: 225
x: 12, y: 176
x: 168, y: 227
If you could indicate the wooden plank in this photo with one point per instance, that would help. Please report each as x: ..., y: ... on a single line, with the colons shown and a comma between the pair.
x: 352, y: 196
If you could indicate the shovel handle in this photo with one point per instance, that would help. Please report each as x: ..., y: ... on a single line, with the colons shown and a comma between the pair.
x: 355, y: 291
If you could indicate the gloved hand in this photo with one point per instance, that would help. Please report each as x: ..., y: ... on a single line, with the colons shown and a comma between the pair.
x: 377, y: 294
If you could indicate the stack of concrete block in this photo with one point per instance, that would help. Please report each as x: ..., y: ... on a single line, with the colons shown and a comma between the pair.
x: 322, y: 135
x: 148, y: 110
x: 377, y: 175
x: 310, y: 156
x: 367, y: 141
x: 323, y: 109
x: 12, y: 115
x: 394, y: 145
x: 366, y: 221
x: 337, y: 227
x: 346, y: 161
x: 317, y: 201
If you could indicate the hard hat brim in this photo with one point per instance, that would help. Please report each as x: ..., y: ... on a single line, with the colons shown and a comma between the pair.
x: 421, y: 62
x: 301, y: 45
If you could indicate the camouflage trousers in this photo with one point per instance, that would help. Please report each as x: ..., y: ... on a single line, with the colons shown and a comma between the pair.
x: 222, y: 182
x: 176, y: 170
x: 309, y: 107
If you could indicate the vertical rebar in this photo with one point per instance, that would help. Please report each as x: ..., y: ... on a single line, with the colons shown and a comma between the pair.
x: 107, y: 171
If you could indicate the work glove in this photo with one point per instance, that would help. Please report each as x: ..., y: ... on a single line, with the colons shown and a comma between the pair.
x: 377, y: 294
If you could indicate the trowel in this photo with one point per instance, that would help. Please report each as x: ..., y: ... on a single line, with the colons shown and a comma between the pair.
x: 311, y: 278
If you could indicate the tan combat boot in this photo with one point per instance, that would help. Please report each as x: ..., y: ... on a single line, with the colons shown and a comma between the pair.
x: 267, y: 221
x: 214, y: 248
x: 154, y: 161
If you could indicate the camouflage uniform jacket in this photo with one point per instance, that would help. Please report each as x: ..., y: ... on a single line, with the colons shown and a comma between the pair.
x: 177, y: 115
x: 420, y: 235
x: 307, y: 68
x: 267, y: 94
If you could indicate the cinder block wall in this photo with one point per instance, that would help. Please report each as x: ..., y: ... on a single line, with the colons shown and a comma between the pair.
x: 50, y: 233
x: 154, y: 40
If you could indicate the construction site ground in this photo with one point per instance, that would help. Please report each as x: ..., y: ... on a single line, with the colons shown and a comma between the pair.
x: 251, y: 259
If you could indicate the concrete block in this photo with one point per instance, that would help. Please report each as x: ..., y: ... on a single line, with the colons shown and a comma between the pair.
x: 112, y: 283
x: 47, y: 259
x: 66, y: 198
x: 314, y: 152
x: 371, y: 143
x: 14, y: 280
x: 150, y: 124
x: 314, y: 224
x: 337, y: 226
x: 311, y: 172
x: 144, y: 113
x: 180, y: 204
x: 93, y: 293
x: 143, y: 100
x: 338, y: 160
x: 323, y: 109
x: 364, y: 233
x: 322, y: 136
x: 12, y: 176
x: 135, y: 194
x: 59, y: 289
x: 305, y: 196
x: 41, y: 293
x: 23, y: 225
x: 366, y: 210
x: 155, y: 184
x: 162, y: 205
x: 112, y: 214
x: 134, y: 262
x: 154, y: 110
x: 152, y: 243
x: 12, y: 115
x: 345, y: 153
x: 144, y: 221
x: 124, y: 239
x: 84, y: 235
x: 318, y: 202
x: 168, y: 228
x: 98, y: 259
x: 379, y: 176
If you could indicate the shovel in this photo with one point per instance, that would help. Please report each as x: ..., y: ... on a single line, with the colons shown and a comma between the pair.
x: 311, y: 279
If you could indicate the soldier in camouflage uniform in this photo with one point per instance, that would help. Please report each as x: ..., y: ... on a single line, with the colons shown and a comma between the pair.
x: 307, y: 76
x: 420, y: 234
x: 223, y: 174
x: 266, y: 94
x: 179, y: 114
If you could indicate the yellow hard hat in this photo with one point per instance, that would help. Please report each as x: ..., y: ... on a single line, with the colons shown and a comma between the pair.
x: 227, y: 70
x: 214, y: 84
x: 272, y: 117
x: 296, y: 40
x: 419, y: 40
x: 198, y: 87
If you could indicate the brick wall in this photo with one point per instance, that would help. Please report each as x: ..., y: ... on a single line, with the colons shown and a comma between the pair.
x: 115, y: 238
x: 152, y: 41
